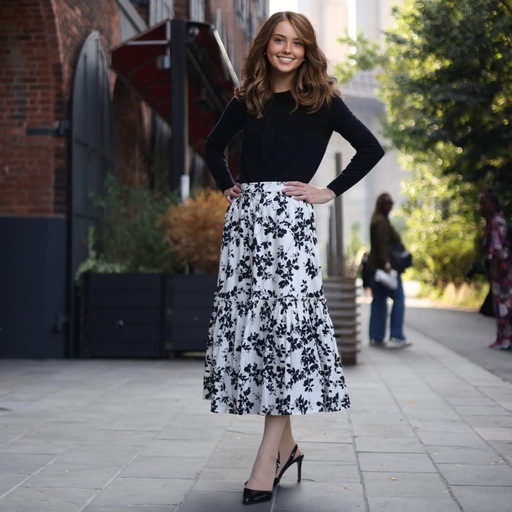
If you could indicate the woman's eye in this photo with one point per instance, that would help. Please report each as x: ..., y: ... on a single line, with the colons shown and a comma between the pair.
x: 297, y: 43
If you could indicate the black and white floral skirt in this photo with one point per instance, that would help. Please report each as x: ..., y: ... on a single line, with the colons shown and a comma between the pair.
x: 271, y: 348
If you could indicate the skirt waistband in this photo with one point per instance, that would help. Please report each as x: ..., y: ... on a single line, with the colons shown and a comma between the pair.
x: 263, y: 186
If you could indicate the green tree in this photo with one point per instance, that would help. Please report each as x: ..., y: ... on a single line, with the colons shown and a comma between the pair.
x: 446, y: 82
x: 447, y: 88
x: 441, y: 229
x: 365, y: 55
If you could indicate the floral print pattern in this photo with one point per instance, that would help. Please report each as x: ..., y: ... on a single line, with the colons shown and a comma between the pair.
x: 271, y: 347
x: 496, y: 246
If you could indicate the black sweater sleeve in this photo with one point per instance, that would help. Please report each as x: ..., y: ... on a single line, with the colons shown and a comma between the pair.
x: 229, y: 125
x: 368, y: 149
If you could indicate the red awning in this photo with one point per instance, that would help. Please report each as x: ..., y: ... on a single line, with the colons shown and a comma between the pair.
x: 145, y: 63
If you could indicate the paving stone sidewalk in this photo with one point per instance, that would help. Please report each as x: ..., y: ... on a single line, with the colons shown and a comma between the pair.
x: 429, y: 431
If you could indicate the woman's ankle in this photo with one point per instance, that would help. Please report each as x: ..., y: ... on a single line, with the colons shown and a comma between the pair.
x: 263, y: 472
x: 286, y: 449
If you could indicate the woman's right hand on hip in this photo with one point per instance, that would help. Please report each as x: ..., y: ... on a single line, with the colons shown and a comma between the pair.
x: 233, y: 192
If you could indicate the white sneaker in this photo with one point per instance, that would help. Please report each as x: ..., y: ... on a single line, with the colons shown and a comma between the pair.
x: 398, y: 343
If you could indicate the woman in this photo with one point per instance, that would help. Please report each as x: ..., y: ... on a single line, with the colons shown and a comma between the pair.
x: 271, y: 349
x: 498, y: 257
x: 382, y: 236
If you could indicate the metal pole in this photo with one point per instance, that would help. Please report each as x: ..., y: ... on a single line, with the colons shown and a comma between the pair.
x: 338, y: 211
x: 332, y: 267
x: 179, y: 103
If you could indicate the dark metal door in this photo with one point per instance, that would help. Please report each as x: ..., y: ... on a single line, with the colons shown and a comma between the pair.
x: 92, y: 154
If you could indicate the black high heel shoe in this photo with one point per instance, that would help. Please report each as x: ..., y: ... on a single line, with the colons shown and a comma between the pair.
x: 251, y: 496
x: 291, y: 460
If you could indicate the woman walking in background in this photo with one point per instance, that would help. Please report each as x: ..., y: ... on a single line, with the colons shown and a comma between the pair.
x: 271, y: 349
x: 498, y: 258
x: 382, y: 236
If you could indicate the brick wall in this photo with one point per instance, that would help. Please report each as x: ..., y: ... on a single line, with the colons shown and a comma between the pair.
x: 76, y: 19
x: 27, y: 77
x: 40, y: 41
x: 39, y: 47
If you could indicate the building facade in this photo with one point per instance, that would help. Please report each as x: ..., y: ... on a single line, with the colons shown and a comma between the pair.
x: 67, y: 120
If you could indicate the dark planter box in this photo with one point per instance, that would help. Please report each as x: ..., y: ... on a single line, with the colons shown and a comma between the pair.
x: 189, y: 305
x: 145, y: 315
x: 122, y: 316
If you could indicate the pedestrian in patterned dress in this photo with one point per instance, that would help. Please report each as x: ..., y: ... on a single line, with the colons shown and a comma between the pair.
x: 498, y: 257
x: 271, y: 348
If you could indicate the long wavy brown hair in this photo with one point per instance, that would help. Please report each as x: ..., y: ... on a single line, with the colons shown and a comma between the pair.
x: 381, y: 201
x: 312, y: 86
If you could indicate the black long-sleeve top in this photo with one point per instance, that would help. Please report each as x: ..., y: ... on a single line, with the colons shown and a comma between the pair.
x: 287, y: 145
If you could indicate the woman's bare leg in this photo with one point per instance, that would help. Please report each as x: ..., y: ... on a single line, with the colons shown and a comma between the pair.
x: 287, y: 443
x: 264, y: 468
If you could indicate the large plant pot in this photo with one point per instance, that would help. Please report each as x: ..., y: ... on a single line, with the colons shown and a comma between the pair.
x: 189, y: 305
x: 340, y: 293
x: 122, y: 316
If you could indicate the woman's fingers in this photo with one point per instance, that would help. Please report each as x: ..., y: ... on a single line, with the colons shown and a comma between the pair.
x: 233, y: 192
x: 309, y: 193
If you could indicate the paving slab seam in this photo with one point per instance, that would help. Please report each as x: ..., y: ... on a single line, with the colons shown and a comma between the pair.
x: 35, y: 473
x: 20, y: 484
x: 418, y: 438
x: 213, y: 449
x: 52, y: 461
x: 37, y: 425
x: 503, y: 383
x: 440, y: 409
x: 208, y: 455
x: 358, y: 462
x: 49, y: 463
x: 420, y: 342
x: 442, y: 349
x: 92, y: 498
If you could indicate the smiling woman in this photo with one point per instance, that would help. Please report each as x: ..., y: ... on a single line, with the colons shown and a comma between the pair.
x: 271, y: 346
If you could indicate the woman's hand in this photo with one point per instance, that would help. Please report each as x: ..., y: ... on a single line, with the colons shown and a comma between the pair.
x: 233, y: 192
x: 309, y: 193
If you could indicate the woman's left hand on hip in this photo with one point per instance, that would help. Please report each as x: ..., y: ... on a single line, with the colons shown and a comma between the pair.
x: 309, y: 193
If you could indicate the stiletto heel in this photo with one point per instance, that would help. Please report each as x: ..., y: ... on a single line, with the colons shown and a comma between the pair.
x: 291, y: 460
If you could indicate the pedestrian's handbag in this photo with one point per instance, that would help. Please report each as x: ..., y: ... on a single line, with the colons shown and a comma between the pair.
x: 388, y: 279
x: 399, y: 257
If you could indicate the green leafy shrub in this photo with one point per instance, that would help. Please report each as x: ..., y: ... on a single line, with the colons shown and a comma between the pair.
x: 130, y: 236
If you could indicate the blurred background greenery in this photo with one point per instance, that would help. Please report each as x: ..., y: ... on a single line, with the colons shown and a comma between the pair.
x: 445, y: 77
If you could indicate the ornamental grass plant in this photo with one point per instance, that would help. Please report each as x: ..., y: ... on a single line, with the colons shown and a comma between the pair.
x: 194, y: 230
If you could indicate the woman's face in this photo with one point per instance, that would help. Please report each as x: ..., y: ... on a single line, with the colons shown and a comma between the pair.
x: 387, y: 204
x: 285, y: 51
